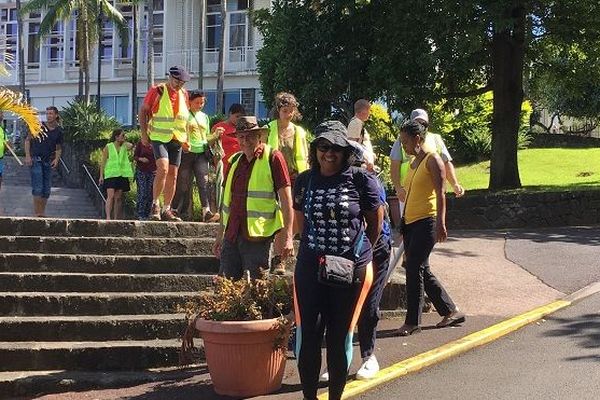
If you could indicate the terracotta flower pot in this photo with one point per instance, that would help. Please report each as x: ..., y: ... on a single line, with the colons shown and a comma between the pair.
x: 241, y: 356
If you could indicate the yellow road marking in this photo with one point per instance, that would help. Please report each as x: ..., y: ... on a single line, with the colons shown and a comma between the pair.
x: 448, y: 350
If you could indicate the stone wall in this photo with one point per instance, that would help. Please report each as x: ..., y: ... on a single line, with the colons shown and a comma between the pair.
x: 542, y: 209
x: 552, y: 140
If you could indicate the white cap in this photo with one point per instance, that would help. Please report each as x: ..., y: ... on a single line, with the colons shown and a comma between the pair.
x: 419, y: 113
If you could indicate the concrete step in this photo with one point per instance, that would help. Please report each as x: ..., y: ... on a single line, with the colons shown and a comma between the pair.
x: 76, y: 282
x: 34, y: 383
x: 122, y: 355
x: 92, y: 328
x: 105, y: 303
x: 106, y: 245
x: 20, y: 226
x: 118, y: 264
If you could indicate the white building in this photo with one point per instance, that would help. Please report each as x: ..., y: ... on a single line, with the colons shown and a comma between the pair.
x: 52, y: 71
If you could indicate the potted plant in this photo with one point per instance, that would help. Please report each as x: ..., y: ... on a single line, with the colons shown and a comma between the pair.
x: 245, y: 333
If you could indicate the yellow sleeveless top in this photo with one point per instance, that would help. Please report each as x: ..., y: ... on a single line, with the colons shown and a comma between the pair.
x: 420, y: 195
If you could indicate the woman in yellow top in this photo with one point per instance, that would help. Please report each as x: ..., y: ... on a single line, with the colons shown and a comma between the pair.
x: 115, y: 172
x: 423, y: 224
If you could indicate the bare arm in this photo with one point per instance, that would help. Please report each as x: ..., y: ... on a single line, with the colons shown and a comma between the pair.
x: 374, y: 221
x: 218, y: 240
x: 144, y: 117
x: 285, y: 200
x: 395, y: 175
x: 57, y: 154
x: 298, y: 222
x: 453, y: 180
x: 28, y: 161
x: 435, y: 165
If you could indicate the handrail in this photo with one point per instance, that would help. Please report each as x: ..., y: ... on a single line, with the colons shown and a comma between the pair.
x: 93, y: 182
x: 62, y: 162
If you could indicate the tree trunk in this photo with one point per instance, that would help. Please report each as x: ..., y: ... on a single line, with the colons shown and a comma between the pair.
x: 508, y: 50
x: 201, y: 44
x: 134, y: 64
x: 150, y: 44
x: 84, y: 61
x: 99, y: 61
x: 21, y: 50
x: 221, y: 71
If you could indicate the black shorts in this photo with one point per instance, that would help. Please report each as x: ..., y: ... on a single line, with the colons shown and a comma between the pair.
x: 170, y: 150
x: 117, y: 183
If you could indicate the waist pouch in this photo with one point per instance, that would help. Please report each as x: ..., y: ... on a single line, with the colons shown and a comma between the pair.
x: 336, y: 271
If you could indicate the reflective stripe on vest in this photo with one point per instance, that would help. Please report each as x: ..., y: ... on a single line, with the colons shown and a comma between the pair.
x: 300, y: 145
x: 164, y: 126
x: 197, y: 128
x: 432, y: 141
x: 264, y: 216
x: 117, y: 163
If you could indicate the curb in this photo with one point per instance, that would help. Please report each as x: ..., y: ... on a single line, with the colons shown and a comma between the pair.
x: 451, y: 349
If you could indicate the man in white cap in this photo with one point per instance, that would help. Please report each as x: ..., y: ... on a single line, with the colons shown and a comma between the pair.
x: 433, y: 143
x: 163, y: 123
x: 358, y: 133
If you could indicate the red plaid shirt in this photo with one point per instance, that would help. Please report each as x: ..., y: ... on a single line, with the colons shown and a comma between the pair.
x: 237, y: 222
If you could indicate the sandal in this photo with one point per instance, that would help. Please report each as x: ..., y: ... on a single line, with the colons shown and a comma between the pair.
x: 407, y: 330
x: 453, y: 319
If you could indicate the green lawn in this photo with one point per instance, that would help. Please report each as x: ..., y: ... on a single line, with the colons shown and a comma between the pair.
x: 543, y: 169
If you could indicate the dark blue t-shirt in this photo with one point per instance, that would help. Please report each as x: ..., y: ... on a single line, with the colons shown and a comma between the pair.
x: 44, y: 145
x: 333, y: 210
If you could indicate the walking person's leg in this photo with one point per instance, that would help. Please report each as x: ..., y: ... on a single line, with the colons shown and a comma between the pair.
x: 369, y: 316
x: 36, y: 186
x: 309, y: 327
x: 183, y: 186
x: 162, y: 167
x: 118, y: 204
x: 174, y: 151
x: 108, y: 206
x: 419, y: 238
x: 201, y: 168
x: 46, y: 186
x: 341, y: 315
x: 141, y: 195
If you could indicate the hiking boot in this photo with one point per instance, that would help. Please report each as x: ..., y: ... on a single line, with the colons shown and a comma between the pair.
x: 170, y: 215
x: 277, y: 266
x: 210, y: 217
x: 155, y: 213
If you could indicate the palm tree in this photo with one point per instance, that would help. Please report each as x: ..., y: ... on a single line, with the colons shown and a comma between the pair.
x: 21, y: 49
x: 86, y: 13
x: 201, y: 44
x: 150, y: 44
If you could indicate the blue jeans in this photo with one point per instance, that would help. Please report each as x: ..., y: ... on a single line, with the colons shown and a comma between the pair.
x: 144, y: 182
x: 41, y: 178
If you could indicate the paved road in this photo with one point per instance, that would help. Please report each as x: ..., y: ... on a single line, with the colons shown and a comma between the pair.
x: 558, y: 358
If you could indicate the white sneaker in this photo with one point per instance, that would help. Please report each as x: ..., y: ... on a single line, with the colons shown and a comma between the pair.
x: 368, y: 369
x: 325, y: 376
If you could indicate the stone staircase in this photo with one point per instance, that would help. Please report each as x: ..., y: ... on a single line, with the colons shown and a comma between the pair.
x: 64, y: 202
x: 83, y: 299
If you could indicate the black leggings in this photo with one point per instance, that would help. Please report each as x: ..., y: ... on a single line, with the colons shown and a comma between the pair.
x: 419, y: 239
x: 321, y: 308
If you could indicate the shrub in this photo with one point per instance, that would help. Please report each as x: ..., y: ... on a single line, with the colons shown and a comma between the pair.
x: 83, y: 121
x: 383, y: 133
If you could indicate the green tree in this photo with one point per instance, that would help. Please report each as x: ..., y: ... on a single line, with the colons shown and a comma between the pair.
x: 86, y: 14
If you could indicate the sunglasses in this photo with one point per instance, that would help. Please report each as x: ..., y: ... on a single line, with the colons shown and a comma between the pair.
x: 325, y: 147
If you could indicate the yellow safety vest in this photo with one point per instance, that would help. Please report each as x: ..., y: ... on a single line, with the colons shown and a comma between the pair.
x: 264, y: 216
x: 2, y: 139
x: 164, y: 126
x: 433, y: 142
x: 198, y: 127
x: 300, y: 147
x: 117, y: 164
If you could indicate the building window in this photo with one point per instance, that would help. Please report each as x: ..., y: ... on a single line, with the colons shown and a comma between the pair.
x: 72, y: 57
x: 231, y: 97
x: 126, y: 52
x: 116, y: 106
x: 237, y: 5
x: 213, y: 31
x: 8, y: 37
x: 33, y: 52
x: 54, y: 45
x: 158, y: 25
x: 107, y: 41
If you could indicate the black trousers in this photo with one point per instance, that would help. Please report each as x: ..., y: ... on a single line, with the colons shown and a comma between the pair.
x: 319, y: 309
x: 419, y: 239
x: 369, y: 316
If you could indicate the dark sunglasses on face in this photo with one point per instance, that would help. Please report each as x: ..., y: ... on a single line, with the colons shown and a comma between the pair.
x: 325, y: 147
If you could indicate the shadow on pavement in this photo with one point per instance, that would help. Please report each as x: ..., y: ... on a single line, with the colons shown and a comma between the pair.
x: 584, y: 329
x: 589, y: 235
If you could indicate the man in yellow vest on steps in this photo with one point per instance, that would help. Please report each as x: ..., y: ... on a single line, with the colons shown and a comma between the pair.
x: 163, y: 122
x: 257, y: 204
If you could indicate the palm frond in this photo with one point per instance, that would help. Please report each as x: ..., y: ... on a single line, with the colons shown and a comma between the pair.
x: 13, y: 102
